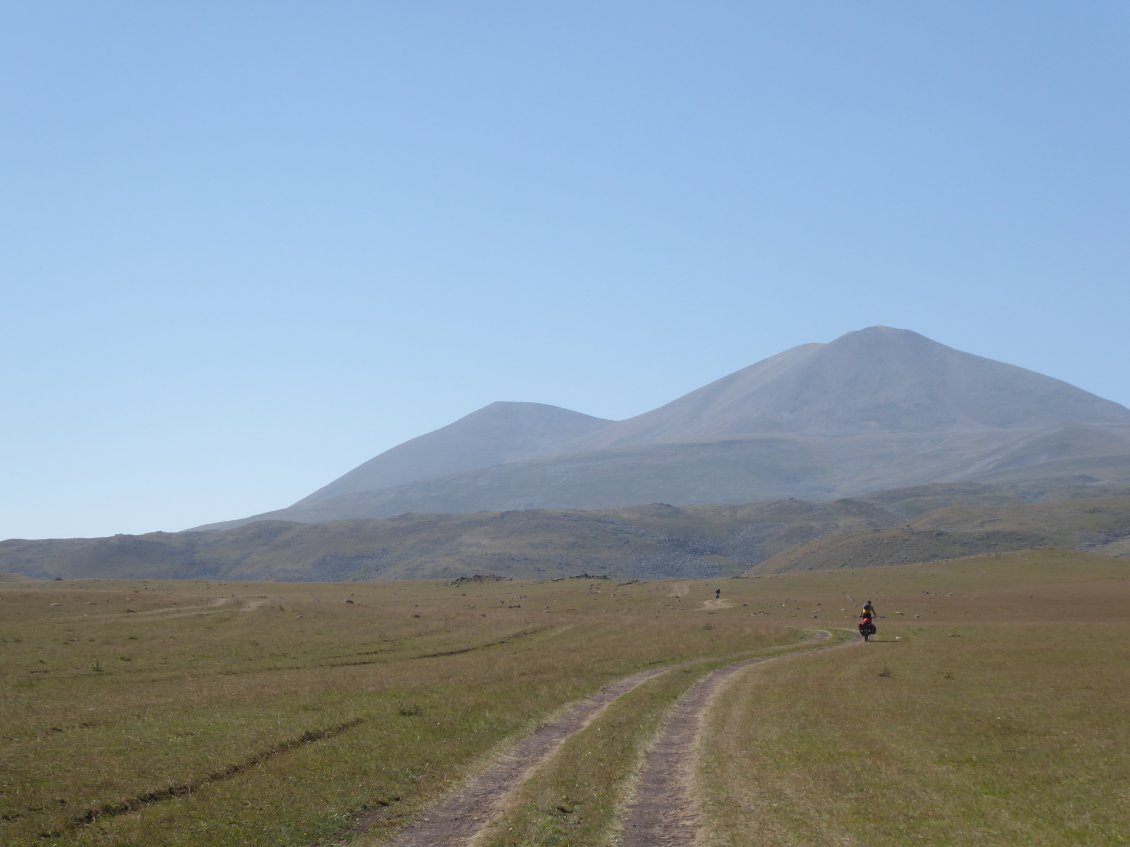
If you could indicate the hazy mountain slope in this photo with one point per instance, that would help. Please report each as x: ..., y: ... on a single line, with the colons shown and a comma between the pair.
x: 656, y: 541
x: 746, y: 470
x: 646, y: 542
x: 702, y: 473
x: 734, y: 405
x: 1071, y: 449
x: 908, y: 503
x: 494, y: 435
x: 1096, y: 524
x: 731, y: 471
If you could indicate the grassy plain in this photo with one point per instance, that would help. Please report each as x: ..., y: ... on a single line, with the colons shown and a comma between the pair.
x: 994, y: 708
x: 273, y: 714
x: 280, y: 714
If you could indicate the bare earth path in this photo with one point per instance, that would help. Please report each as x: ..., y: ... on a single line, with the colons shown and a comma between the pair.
x: 664, y: 813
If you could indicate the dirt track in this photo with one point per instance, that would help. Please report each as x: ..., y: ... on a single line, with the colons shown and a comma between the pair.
x: 663, y: 812
x: 457, y: 819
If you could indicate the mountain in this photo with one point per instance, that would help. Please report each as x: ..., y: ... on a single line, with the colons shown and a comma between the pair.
x: 876, y: 409
x: 879, y: 447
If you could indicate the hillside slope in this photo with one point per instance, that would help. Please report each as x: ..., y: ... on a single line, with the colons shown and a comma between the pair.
x: 1099, y: 525
x: 647, y: 542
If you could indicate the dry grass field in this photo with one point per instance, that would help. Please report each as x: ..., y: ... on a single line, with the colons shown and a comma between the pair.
x: 207, y: 714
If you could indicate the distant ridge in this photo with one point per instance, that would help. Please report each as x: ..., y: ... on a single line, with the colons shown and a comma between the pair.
x: 656, y: 541
x: 875, y: 409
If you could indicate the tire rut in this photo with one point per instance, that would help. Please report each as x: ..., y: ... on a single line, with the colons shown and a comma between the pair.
x: 457, y: 819
x: 664, y: 812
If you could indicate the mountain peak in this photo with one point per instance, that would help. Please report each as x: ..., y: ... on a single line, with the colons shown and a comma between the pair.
x: 498, y: 433
x: 879, y: 379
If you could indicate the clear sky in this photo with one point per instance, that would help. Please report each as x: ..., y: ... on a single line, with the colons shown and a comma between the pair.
x: 246, y: 246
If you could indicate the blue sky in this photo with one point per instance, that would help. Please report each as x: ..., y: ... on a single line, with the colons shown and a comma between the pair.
x: 249, y: 245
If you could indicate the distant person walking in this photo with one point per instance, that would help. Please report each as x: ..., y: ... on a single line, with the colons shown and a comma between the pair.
x: 717, y: 593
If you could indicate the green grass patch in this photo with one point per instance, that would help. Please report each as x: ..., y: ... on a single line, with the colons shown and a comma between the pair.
x: 1011, y: 727
x: 222, y: 725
